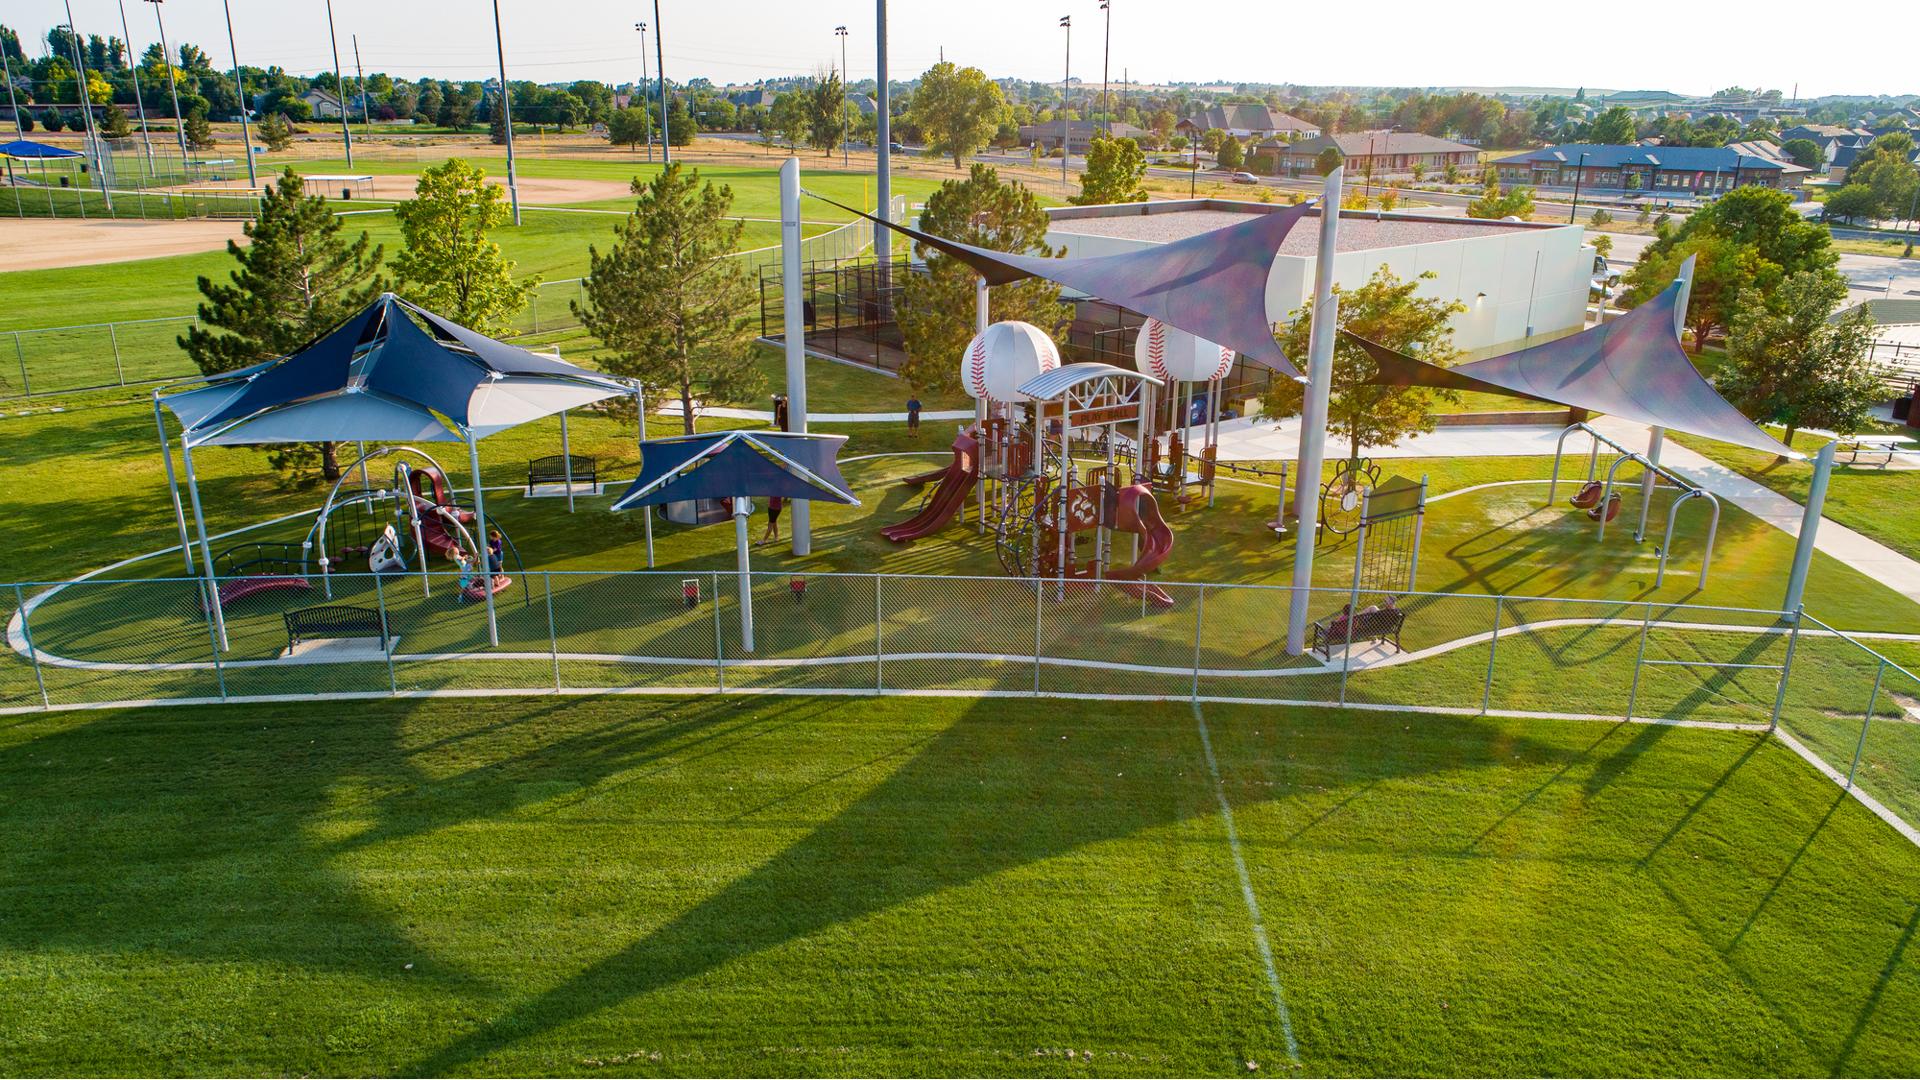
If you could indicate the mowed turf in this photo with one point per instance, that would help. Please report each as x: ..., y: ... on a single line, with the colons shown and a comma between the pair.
x: 934, y: 886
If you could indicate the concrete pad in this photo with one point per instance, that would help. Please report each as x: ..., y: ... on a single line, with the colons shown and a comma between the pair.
x: 338, y: 650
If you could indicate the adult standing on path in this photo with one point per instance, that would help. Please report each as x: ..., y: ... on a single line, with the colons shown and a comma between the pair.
x: 913, y: 414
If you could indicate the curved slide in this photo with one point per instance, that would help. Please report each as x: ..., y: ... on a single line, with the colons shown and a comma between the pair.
x: 956, y: 483
x: 1136, y: 511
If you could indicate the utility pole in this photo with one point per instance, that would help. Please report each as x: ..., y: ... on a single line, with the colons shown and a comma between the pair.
x: 166, y: 57
x: 240, y: 89
x: 506, y: 115
x: 644, y: 80
x: 1577, y: 171
x: 660, y: 62
x: 139, y: 101
x: 1106, y: 53
x: 6, y: 66
x: 86, y: 111
x: 846, y: 127
x: 360, y: 76
x: 339, y: 86
x: 1066, y: 83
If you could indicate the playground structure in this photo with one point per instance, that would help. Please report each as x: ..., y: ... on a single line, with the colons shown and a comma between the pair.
x: 400, y: 529
x: 1056, y: 519
x: 1602, y: 503
x: 1184, y: 363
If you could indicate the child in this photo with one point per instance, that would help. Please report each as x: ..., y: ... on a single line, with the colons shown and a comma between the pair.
x: 913, y: 415
x: 467, y: 573
x: 496, y: 553
x: 774, y: 504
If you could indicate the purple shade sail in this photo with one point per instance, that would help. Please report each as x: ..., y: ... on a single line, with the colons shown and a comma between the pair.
x: 1212, y: 285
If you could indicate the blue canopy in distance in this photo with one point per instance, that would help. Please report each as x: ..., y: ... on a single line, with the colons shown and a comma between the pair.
x: 28, y: 149
x: 738, y: 464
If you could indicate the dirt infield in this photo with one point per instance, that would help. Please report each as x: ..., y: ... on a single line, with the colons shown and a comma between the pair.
x: 536, y: 190
x: 41, y: 244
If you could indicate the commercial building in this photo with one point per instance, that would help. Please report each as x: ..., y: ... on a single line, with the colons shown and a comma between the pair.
x: 1676, y: 170
x: 1244, y: 122
x: 1376, y: 153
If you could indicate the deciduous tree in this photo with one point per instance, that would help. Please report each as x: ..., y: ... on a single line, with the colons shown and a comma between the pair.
x: 936, y: 311
x: 447, y: 264
x: 629, y: 126
x: 1615, y: 127
x: 957, y: 109
x: 1494, y: 203
x: 665, y: 300
x: 1115, y: 168
x: 1790, y: 362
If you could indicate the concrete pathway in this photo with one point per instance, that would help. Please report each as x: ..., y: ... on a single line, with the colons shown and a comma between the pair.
x: 766, y: 416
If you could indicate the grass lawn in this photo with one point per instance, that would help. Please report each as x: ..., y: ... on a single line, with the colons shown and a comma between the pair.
x: 811, y: 886
x: 1872, y: 501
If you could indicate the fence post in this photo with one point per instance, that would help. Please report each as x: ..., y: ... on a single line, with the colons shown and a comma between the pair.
x: 1639, y: 661
x: 113, y: 338
x: 1039, y: 588
x: 26, y: 634
x: 1873, y: 700
x: 1493, y: 645
x: 1199, y: 625
x: 1786, y: 668
x: 20, y: 354
x: 386, y: 633
x: 533, y: 299
x: 210, y: 594
x: 878, y: 681
x: 719, y: 660
x: 553, y: 635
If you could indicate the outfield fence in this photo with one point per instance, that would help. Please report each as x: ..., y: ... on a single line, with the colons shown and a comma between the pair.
x: 94, y: 356
x: 1847, y: 706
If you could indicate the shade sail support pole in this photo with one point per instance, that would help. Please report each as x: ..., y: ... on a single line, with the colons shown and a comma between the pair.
x: 1313, y: 413
x: 640, y: 422
x: 742, y: 508
x: 1809, y: 529
x: 794, y: 335
x: 982, y: 312
x: 206, y: 550
x: 173, y: 484
x: 485, y: 554
x: 566, y: 458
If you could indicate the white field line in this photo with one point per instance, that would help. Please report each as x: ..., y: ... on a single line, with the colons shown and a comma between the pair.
x: 1246, y: 891
x: 1878, y: 808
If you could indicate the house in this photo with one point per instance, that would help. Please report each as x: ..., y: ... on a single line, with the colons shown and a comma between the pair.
x: 1080, y: 134
x: 1644, y: 101
x: 324, y: 103
x: 1847, y: 156
x: 1247, y: 122
x: 1678, y: 170
x: 754, y: 98
x: 1377, y: 153
x: 1830, y: 138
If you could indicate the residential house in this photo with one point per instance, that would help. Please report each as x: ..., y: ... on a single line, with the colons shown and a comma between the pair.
x: 1377, y: 153
x: 1830, y: 138
x: 1247, y: 122
x: 1080, y: 134
x: 324, y: 103
x: 748, y: 99
x: 1848, y: 156
x: 1676, y: 170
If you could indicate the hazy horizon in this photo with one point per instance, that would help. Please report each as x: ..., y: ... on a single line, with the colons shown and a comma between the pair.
x: 1202, y: 41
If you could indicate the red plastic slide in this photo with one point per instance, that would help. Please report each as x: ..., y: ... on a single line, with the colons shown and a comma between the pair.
x: 920, y: 480
x: 1136, y: 511
x: 956, y: 483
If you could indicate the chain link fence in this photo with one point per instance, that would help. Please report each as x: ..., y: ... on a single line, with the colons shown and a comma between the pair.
x: 1851, y: 708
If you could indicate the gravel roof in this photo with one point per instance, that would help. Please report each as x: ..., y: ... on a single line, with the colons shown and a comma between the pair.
x: 1356, y: 233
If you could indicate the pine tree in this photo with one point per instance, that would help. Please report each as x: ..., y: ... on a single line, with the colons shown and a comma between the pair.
x: 666, y: 301
x: 113, y: 124
x: 275, y: 132
x: 936, y: 311
x: 297, y: 279
x: 199, y: 132
x: 448, y: 265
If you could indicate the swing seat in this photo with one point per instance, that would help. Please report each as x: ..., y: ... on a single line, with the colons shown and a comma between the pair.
x: 1588, y: 496
x: 1611, y: 511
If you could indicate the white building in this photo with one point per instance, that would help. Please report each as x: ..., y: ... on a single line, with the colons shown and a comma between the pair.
x: 1517, y: 279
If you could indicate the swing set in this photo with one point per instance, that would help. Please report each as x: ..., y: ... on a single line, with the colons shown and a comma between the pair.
x: 1602, y: 503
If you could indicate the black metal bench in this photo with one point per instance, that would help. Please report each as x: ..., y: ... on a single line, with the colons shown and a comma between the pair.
x: 562, y: 468
x: 1380, y: 624
x: 334, y: 621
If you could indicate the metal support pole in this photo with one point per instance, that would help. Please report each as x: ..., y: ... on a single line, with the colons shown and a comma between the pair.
x: 553, y: 632
x: 173, y: 88
x: 1039, y: 590
x: 1873, y: 702
x: 741, y: 509
x: 340, y: 85
x: 981, y: 313
x: 1809, y: 528
x: 660, y: 64
x: 85, y: 101
x: 212, y: 597
x: 883, y: 149
x: 386, y: 632
x: 26, y: 635
x: 1639, y: 661
x: 1655, y: 441
x: 240, y: 92
x: 1353, y: 596
x: 794, y: 335
x: 640, y: 422
x: 506, y: 110
x: 1066, y: 84
x: 719, y: 652
x: 1419, y: 528
x: 139, y: 99
x: 1199, y: 625
x: 878, y: 681
x: 20, y: 354
x: 1313, y: 414
x: 566, y: 458
x: 173, y: 485
x: 485, y: 554
x: 1786, y: 669
x: 1493, y: 646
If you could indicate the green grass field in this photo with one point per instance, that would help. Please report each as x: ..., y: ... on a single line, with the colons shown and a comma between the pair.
x: 810, y: 887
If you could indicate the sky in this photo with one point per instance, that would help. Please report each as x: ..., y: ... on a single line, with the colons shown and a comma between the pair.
x: 1695, y: 48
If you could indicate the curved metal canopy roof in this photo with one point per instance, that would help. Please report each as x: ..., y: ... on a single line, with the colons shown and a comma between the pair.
x: 1049, y: 385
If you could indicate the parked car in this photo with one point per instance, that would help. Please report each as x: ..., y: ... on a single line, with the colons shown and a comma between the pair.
x: 896, y: 148
x: 1245, y: 178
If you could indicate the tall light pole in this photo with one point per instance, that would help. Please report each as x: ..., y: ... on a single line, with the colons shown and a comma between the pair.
x: 883, y: 149
x: 339, y: 85
x: 166, y: 57
x: 506, y: 115
x: 6, y: 67
x: 660, y: 63
x: 86, y: 111
x: 240, y: 89
x: 644, y: 80
x: 1066, y: 82
x: 360, y: 76
x: 139, y: 102
x: 1106, y: 51
x: 846, y: 127
x: 1577, y: 171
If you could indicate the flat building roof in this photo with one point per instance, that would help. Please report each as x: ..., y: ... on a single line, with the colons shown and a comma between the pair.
x: 1360, y: 230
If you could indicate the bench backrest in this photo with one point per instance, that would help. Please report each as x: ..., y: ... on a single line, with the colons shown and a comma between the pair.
x: 558, y: 465
x: 334, y: 620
